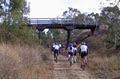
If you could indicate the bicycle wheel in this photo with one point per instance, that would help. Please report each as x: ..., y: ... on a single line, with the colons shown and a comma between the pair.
x: 56, y: 58
x: 71, y: 61
x: 83, y: 64
x: 83, y: 67
x: 74, y: 59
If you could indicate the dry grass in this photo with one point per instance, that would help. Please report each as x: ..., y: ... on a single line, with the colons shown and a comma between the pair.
x: 104, y: 63
x: 103, y: 66
x: 24, y: 62
x: 103, y: 60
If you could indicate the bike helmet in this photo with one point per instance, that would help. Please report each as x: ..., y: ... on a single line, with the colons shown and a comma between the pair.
x: 74, y: 44
x: 56, y: 43
x: 83, y: 43
x: 70, y: 44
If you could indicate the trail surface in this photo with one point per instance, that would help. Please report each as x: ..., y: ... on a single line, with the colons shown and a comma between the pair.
x: 62, y: 70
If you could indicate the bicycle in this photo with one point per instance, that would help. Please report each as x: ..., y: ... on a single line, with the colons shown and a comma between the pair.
x: 71, y: 60
x: 83, y: 63
x: 75, y: 53
x: 56, y: 56
x: 62, y: 50
x: 74, y: 59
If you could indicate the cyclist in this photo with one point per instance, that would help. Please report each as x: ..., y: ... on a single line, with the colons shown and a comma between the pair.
x: 75, y: 51
x: 60, y: 47
x: 63, y: 48
x: 63, y: 45
x: 70, y: 51
x: 56, y: 50
x: 78, y: 48
x: 52, y: 48
x: 84, y: 52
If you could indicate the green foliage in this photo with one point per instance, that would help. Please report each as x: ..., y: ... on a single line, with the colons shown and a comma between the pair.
x: 53, y: 35
x: 71, y: 13
x: 109, y: 39
x: 76, y: 32
x: 110, y: 17
x: 21, y: 35
x: 12, y: 29
x: 28, y: 36
x: 58, y: 34
x: 46, y: 38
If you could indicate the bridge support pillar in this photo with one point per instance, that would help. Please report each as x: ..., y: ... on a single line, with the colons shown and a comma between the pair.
x: 39, y: 35
x: 69, y: 29
x: 68, y: 36
x: 92, y: 31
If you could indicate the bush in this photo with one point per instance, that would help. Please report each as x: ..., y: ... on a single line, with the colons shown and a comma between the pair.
x: 24, y: 63
x: 18, y: 34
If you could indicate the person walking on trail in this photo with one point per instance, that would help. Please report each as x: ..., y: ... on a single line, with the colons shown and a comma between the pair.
x: 56, y: 50
x: 70, y: 51
x: 84, y: 51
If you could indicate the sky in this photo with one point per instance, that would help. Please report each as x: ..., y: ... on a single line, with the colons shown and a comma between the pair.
x: 55, y: 8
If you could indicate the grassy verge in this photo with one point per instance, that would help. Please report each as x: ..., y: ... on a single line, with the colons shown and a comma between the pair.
x: 24, y: 62
x: 103, y: 60
x: 104, y: 67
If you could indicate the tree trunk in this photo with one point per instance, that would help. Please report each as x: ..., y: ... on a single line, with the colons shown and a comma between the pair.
x: 115, y: 41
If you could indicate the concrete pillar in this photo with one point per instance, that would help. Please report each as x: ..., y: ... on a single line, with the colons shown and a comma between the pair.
x: 92, y: 31
x: 68, y: 36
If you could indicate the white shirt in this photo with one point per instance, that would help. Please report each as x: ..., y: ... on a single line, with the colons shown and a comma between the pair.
x: 56, y: 47
x: 59, y: 45
x: 70, y: 50
x: 75, y: 48
x: 83, y: 48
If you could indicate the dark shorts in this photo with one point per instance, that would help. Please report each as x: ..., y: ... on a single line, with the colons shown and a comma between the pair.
x: 56, y: 53
x: 75, y: 53
x: 83, y: 54
x: 70, y: 53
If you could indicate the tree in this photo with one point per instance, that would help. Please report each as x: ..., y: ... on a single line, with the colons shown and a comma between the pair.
x: 111, y: 16
x: 71, y: 13
x: 12, y: 14
x: 58, y: 34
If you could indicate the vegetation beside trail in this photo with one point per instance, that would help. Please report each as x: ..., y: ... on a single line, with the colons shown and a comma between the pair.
x: 22, y: 58
x: 104, y: 45
x: 24, y: 62
x: 103, y: 59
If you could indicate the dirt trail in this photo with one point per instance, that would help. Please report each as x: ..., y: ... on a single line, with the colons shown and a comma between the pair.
x: 62, y: 70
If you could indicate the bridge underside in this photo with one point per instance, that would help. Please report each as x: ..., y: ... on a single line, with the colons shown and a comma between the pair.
x: 63, y: 26
x: 67, y: 27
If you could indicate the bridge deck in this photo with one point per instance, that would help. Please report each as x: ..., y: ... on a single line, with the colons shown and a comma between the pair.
x: 61, y: 23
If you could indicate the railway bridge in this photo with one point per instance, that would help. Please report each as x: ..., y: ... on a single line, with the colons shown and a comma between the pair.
x: 63, y: 23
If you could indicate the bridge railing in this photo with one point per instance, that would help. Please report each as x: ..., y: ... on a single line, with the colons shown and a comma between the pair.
x: 61, y: 21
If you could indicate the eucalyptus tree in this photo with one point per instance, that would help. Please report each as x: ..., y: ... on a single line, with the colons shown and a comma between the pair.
x: 71, y: 13
x: 14, y: 11
x: 58, y: 35
x: 110, y: 16
x: 12, y: 15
